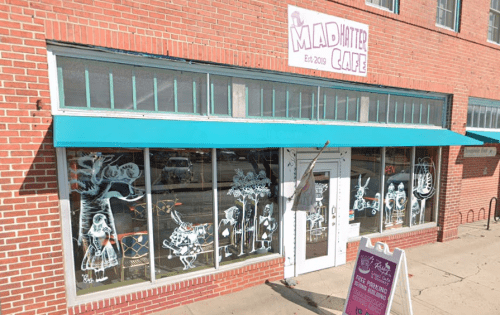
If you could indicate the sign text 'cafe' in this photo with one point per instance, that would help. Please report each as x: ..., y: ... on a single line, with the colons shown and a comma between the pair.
x: 328, y: 43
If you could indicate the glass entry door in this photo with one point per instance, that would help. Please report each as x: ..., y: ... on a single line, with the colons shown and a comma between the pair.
x: 316, y: 229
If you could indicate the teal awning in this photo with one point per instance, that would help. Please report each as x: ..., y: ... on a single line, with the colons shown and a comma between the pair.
x: 75, y: 131
x: 485, y: 136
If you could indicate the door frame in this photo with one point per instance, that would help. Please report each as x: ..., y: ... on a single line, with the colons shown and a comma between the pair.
x: 305, y: 265
x: 291, y: 177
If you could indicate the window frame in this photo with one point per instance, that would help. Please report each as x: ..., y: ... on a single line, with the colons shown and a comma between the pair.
x: 456, y: 16
x: 475, y: 107
x: 496, y: 14
x: 208, y: 70
x: 410, y: 227
x: 395, y: 6
x: 74, y: 299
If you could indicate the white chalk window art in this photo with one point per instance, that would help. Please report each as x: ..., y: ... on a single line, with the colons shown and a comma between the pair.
x: 106, y: 193
x: 182, y: 205
x: 397, y: 180
x: 494, y: 22
x: 447, y: 14
x: 110, y: 215
x: 402, y: 204
x: 385, y: 4
x: 366, y: 165
x: 247, y: 182
x: 424, y: 185
x: 317, y: 220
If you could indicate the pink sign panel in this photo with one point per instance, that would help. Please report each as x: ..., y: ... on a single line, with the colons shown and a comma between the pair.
x: 371, y: 287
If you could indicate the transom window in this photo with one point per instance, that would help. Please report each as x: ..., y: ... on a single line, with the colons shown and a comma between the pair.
x: 483, y: 113
x: 111, y: 86
x: 494, y: 22
x: 448, y: 14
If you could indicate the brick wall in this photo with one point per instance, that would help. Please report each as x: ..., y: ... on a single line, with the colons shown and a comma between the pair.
x: 406, y: 51
x: 480, y: 182
x: 402, y: 241
x: 185, y: 292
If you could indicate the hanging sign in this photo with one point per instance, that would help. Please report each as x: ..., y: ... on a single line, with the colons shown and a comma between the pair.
x: 328, y: 43
x: 374, y: 280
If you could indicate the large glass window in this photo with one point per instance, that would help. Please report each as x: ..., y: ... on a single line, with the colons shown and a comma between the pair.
x: 248, y: 191
x: 424, y: 185
x: 110, y: 213
x: 108, y: 218
x: 397, y: 180
x: 366, y: 166
x: 182, y: 204
x: 372, y: 211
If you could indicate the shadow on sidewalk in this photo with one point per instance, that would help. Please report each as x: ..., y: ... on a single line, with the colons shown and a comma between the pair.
x: 315, y: 302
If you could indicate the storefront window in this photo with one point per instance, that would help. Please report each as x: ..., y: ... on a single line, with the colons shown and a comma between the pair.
x: 110, y: 213
x: 182, y: 204
x: 364, y: 213
x: 248, y: 203
x: 397, y: 180
x: 396, y: 208
x: 108, y: 219
x: 424, y: 185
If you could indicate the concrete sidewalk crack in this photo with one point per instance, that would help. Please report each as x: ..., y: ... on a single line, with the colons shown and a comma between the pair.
x: 447, y: 273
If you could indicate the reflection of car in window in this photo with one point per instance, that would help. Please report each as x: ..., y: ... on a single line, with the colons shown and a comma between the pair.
x: 203, y: 156
x: 226, y: 155
x: 178, y: 169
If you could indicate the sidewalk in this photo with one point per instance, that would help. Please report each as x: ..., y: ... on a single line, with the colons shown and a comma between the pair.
x: 457, y: 277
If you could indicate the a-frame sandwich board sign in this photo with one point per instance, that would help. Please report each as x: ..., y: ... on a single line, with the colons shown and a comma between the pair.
x: 375, y: 278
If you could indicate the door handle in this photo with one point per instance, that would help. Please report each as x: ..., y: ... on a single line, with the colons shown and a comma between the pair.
x: 334, y: 215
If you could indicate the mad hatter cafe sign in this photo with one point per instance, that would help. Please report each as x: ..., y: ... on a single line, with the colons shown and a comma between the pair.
x: 325, y: 42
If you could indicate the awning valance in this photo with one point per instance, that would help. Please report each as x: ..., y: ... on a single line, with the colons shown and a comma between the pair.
x: 485, y: 136
x: 79, y: 131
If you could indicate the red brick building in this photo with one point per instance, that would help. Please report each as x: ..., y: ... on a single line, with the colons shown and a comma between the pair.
x: 148, y: 149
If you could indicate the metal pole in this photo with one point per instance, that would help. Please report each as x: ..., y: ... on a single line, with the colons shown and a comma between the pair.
x: 382, y: 191
x: 149, y: 204
x: 216, y: 208
x: 438, y: 184
x: 410, y: 185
